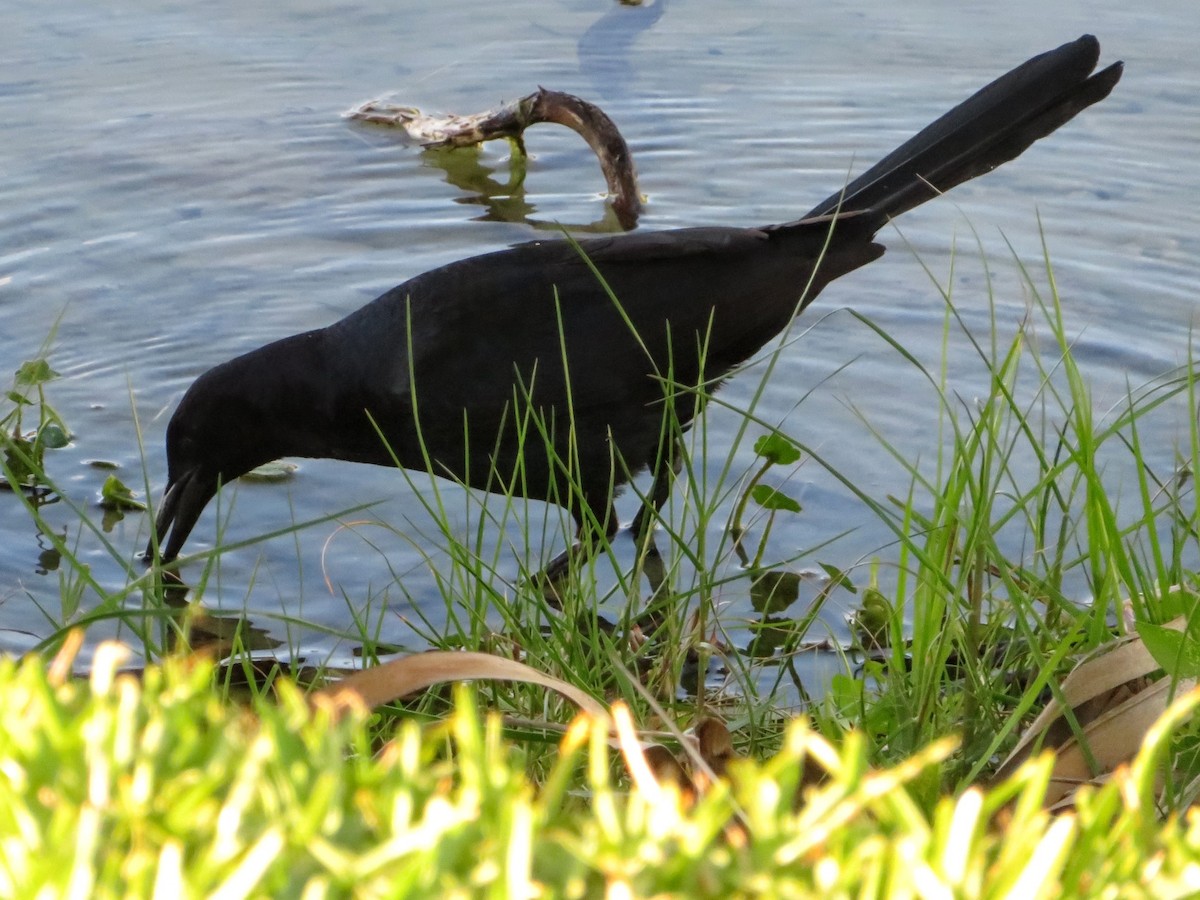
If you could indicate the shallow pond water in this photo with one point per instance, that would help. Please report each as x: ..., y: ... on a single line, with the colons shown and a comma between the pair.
x: 177, y: 186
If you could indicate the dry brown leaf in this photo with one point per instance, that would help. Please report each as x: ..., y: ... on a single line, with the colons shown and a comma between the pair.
x: 1114, y: 701
x: 401, y: 677
x: 651, y: 765
x: 714, y: 743
x: 63, y: 663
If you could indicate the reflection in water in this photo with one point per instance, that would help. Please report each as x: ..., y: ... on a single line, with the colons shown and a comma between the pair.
x: 111, y: 518
x: 191, y: 627
x: 505, y: 201
x: 50, y: 557
x: 218, y: 634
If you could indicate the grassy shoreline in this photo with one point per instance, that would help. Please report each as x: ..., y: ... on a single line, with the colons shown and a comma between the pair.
x: 951, y: 656
x: 154, y: 787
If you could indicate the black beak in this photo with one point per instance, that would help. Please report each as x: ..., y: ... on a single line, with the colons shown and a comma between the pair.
x: 182, y: 503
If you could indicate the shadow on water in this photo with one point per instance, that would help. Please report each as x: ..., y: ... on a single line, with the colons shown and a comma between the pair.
x: 604, y: 49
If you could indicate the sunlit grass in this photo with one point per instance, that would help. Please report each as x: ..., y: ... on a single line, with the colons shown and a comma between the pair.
x: 155, y: 787
x: 1015, y: 550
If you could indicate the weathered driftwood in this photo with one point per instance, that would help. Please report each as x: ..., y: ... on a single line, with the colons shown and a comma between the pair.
x: 511, y: 120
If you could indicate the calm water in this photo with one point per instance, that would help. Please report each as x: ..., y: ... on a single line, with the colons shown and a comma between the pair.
x: 177, y: 186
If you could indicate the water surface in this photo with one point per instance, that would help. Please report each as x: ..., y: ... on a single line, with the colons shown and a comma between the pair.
x: 177, y: 186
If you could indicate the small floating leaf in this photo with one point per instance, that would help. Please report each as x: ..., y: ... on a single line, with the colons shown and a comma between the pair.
x: 52, y: 436
x: 272, y: 471
x: 105, y: 465
x: 777, y: 448
x: 774, y: 591
x: 769, y: 498
x: 115, y: 495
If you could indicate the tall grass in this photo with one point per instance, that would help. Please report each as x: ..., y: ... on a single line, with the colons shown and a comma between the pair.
x: 1013, y: 551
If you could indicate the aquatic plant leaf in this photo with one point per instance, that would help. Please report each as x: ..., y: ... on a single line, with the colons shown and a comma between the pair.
x: 778, y: 449
x: 116, y: 495
x: 774, y: 591
x: 52, y: 436
x: 34, y: 372
x: 769, y: 498
x: 838, y: 578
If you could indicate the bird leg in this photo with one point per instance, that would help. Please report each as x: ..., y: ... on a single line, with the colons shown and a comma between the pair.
x: 649, y: 559
x: 555, y: 574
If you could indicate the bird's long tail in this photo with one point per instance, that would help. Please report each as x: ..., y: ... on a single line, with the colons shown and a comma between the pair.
x: 996, y: 124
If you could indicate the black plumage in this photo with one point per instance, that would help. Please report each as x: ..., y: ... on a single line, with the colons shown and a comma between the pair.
x: 448, y: 365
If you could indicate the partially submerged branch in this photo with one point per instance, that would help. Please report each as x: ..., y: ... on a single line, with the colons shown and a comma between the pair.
x: 511, y: 120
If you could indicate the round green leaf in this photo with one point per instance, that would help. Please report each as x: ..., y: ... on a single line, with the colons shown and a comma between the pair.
x: 778, y: 448
x: 52, y: 436
x: 769, y: 498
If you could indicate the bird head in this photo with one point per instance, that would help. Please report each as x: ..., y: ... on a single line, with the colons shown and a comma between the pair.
x: 217, y: 434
